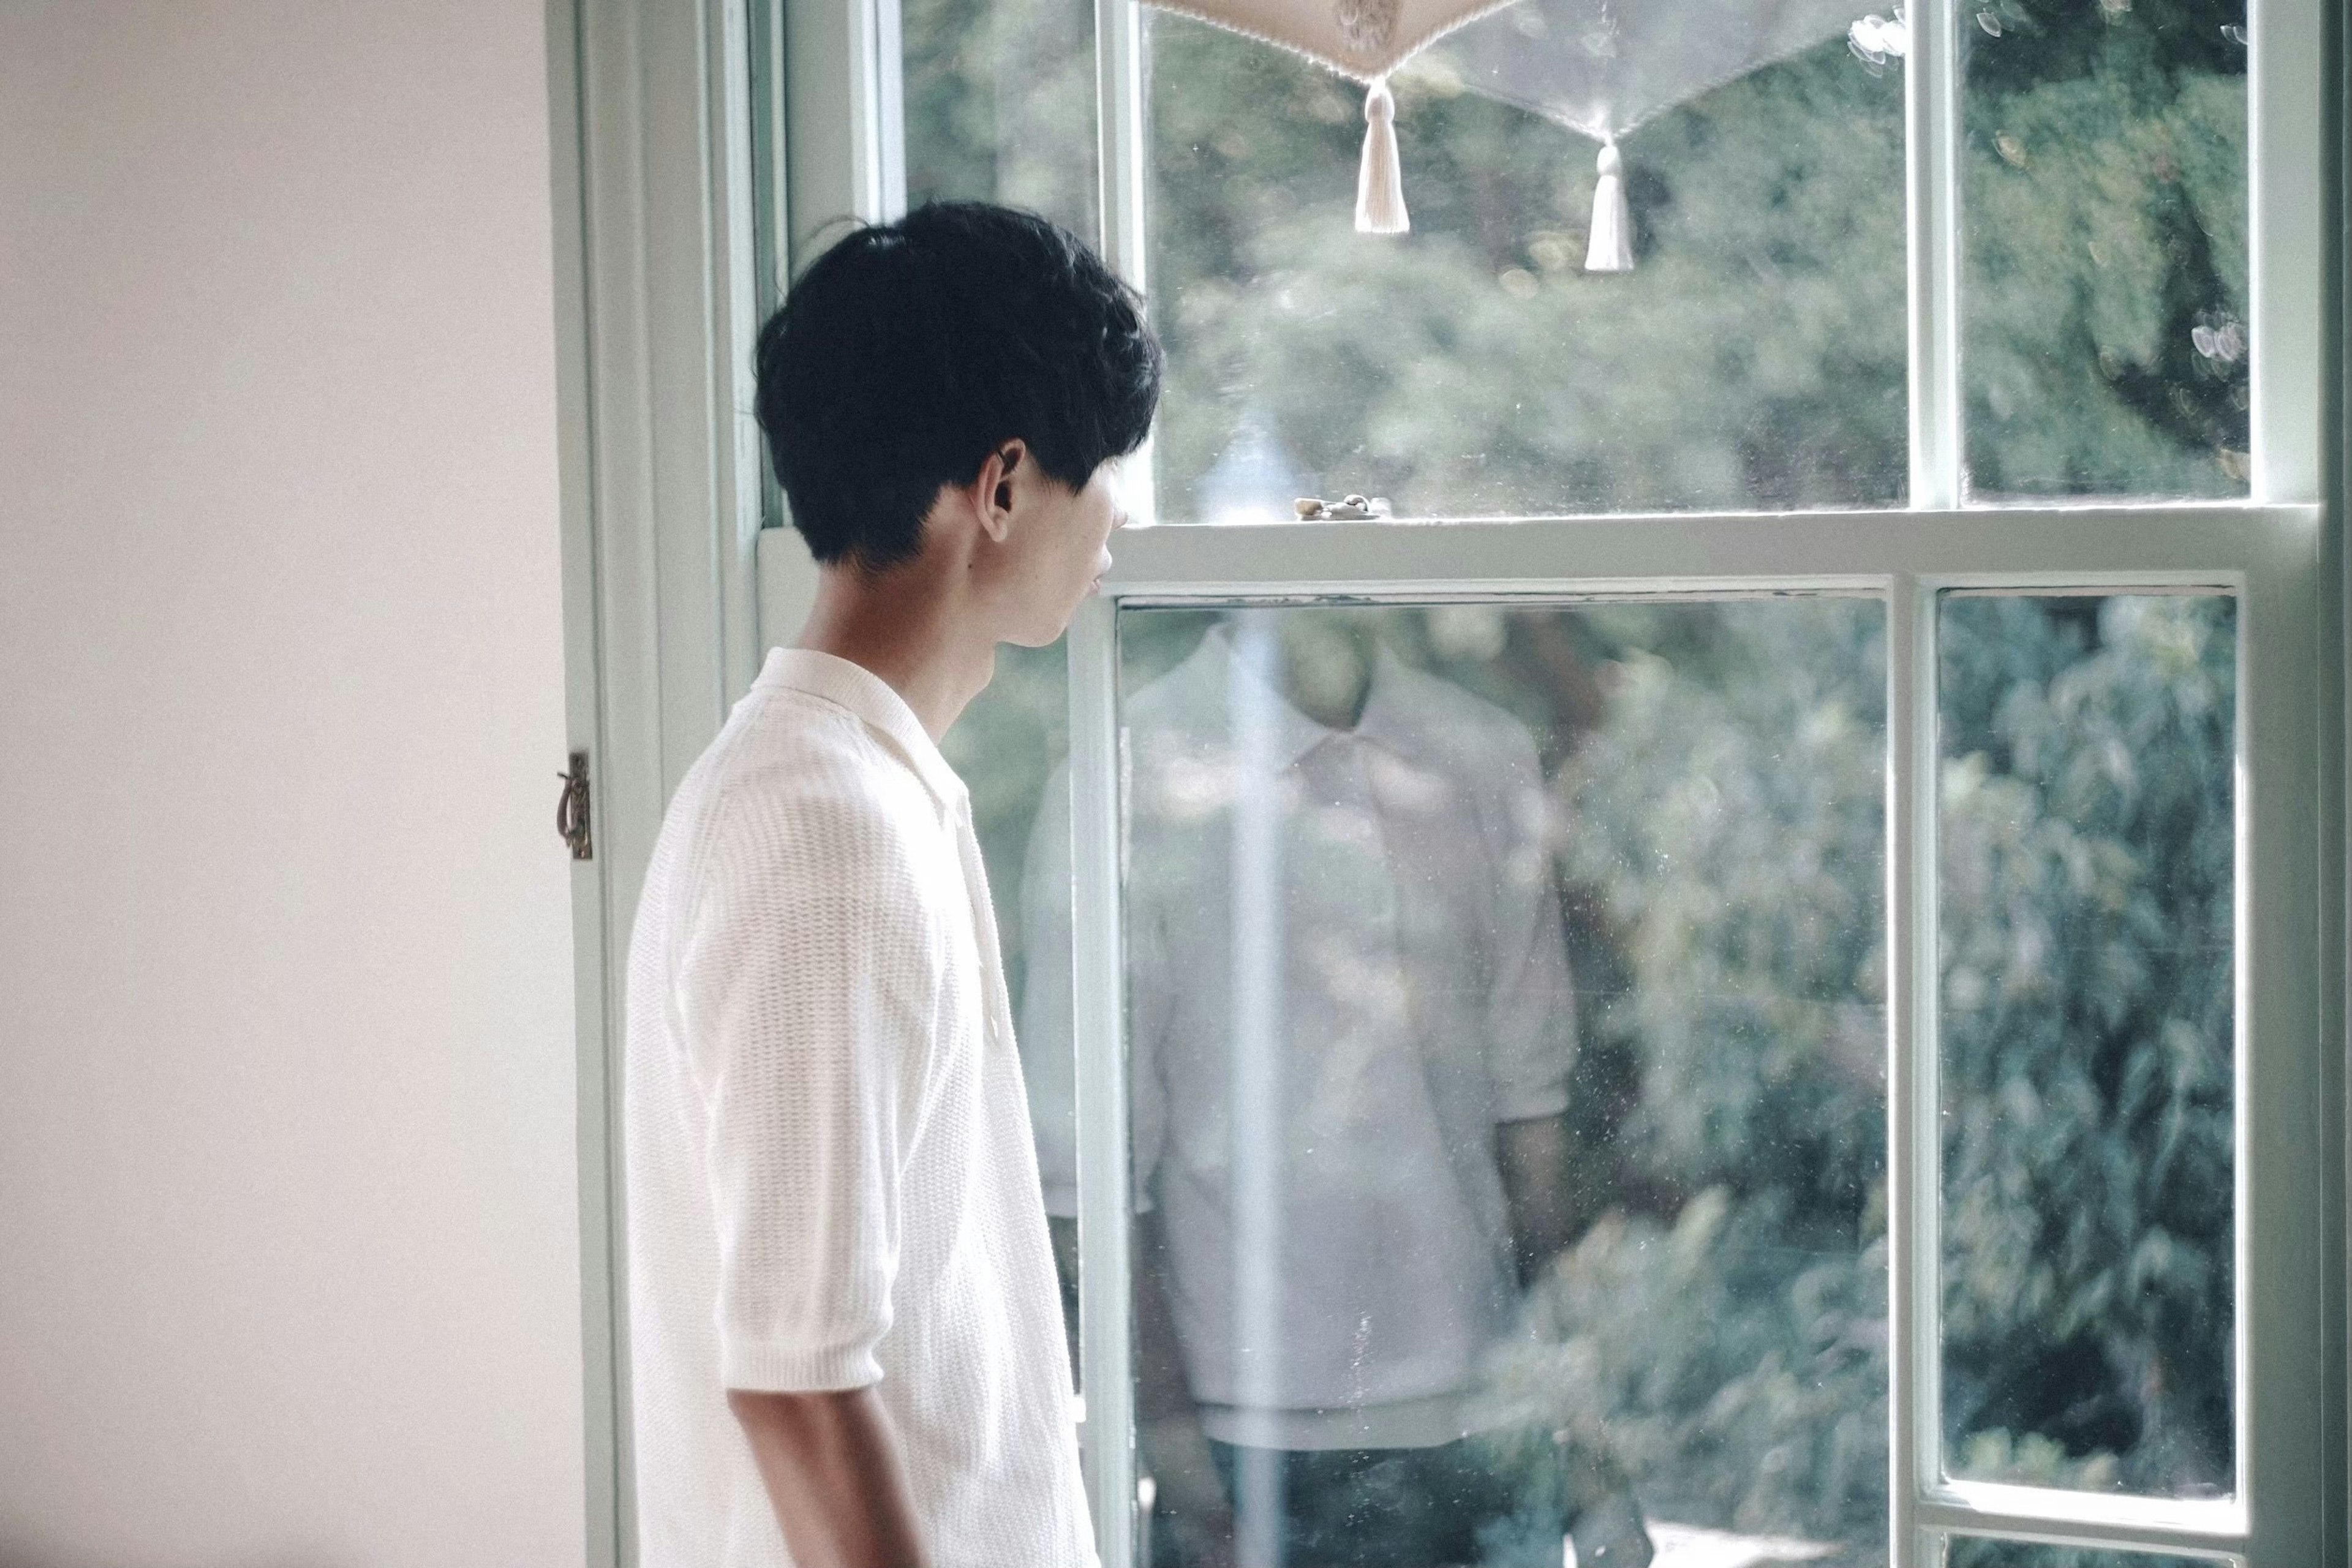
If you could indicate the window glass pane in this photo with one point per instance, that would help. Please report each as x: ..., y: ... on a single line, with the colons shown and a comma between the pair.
x: 2086, y: 805
x: 1507, y: 1052
x: 1971, y: 1552
x: 2104, y: 238
x: 999, y: 104
x: 1752, y: 358
x: 1007, y: 747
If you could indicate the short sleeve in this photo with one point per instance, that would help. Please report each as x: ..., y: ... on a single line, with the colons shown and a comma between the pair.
x: 1531, y: 1008
x: 808, y: 985
x: 1047, y: 1032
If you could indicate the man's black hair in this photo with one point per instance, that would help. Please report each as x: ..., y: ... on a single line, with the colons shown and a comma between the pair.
x: 910, y: 351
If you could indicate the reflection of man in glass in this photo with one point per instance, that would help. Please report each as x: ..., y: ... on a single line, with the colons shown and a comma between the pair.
x: 1352, y: 1026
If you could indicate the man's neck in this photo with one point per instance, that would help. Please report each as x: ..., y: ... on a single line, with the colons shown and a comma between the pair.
x: 913, y: 627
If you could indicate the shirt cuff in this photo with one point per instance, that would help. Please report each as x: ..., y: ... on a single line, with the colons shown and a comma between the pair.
x: 788, y: 1369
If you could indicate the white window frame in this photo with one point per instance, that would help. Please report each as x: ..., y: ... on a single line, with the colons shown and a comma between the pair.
x: 702, y: 145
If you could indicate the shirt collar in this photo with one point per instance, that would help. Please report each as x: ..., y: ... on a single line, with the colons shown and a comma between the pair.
x: 1218, y: 667
x: 874, y: 701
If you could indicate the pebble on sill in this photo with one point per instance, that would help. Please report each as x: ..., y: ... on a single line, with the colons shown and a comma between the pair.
x: 1352, y: 508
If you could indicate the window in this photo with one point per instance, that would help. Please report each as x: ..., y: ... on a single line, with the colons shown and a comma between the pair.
x: 1871, y: 647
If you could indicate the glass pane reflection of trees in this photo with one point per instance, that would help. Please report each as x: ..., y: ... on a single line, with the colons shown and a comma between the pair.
x: 2103, y: 316
x: 1970, y: 1552
x: 1753, y: 358
x: 2088, y: 853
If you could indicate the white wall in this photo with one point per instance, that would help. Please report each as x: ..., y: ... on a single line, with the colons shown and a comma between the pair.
x: 288, y: 1258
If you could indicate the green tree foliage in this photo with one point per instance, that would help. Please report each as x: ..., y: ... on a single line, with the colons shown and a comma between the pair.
x: 2106, y: 247
x: 2087, y: 1052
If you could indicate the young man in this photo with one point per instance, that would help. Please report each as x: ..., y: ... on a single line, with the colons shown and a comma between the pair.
x: 844, y: 1324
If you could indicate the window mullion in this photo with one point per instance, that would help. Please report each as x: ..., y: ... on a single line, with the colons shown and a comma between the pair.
x: 2288, y: 1231
x: 885, y: 29
x: 1105, y: 1344
x: 1911, y: 1136
x: 1931, y: 137
x: 2087, y: 1521
x: 1118, y: 110
x: 1119, y: 78
x: 1819, y: 551
x: 2286, y: 240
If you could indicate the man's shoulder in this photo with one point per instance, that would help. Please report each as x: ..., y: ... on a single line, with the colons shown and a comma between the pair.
x: 792, y: 767
x: 790, y: 745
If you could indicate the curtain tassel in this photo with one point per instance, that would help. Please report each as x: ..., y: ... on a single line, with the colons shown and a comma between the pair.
x: 1612, y: 245
x: 1380, y: 183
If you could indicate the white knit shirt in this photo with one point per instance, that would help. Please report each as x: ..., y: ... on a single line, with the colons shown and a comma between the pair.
x: 830, y: 1176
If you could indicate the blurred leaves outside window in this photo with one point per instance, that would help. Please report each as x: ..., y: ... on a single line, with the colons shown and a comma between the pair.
x: 1000, y: 105
x: 2104, y: 346
x: 2086, y: 808
x: 1753, y: 358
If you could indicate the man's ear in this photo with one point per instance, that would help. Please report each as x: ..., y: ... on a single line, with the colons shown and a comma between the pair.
x: 995, y: 491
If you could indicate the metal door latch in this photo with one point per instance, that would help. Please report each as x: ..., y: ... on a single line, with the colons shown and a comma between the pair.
x: 571, y: 811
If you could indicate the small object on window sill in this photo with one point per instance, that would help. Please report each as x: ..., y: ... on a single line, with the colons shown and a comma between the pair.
x: 1347, y: 509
